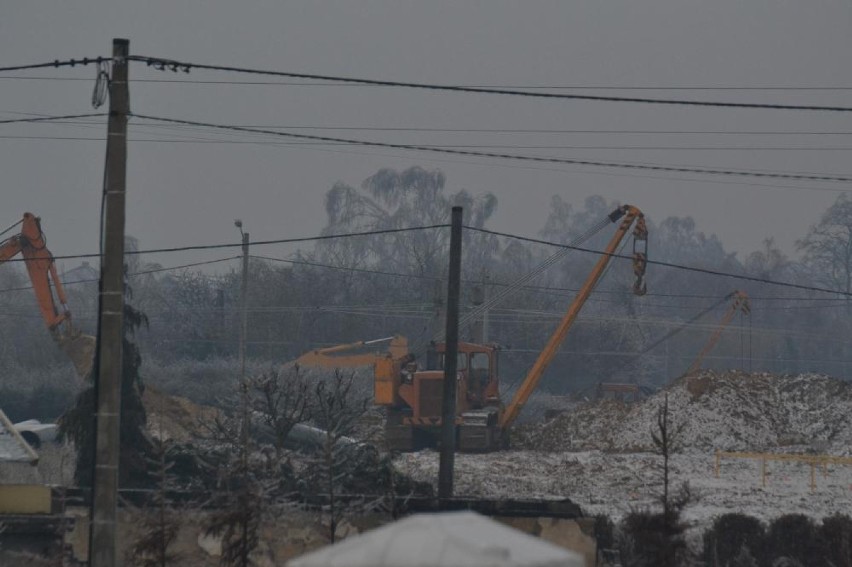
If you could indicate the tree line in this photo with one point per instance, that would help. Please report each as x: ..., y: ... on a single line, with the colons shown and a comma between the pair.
x: 360, y: 288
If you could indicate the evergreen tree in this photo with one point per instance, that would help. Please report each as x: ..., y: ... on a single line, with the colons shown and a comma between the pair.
x: 78, y: 424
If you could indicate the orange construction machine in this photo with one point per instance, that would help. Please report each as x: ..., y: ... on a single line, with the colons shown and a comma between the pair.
x: 739, y: 302
x: 412, y: 393
x: 52, y: 303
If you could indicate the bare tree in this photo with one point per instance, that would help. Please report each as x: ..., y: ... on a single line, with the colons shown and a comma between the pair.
x: 160, y: 520
x: 828, y: 246
x: 280, y: 400
x: 657, y: 539
x: 336, y: 412
x: 666, y: 442
x: 243, y: 493
x: 666, y: 438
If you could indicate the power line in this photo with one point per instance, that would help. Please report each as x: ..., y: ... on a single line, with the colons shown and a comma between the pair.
x: 254, y: 243
x: 550, y: 289
x: 52, y: 118
x: 292, y: 240
x: 170, y: 64
x: 134, y: 274
x: 661, y: 263
x: 57, y: 63
x: 480, y: 86
x: 668, y: 178
x: 508, y: 146
x: 538, y: 130
x: 609, y: 173
x: 593, y: 163
x: 437, y: 226
x: 347, y: 268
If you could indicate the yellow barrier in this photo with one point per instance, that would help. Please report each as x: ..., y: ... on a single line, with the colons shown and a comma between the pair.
x: 812, y: 460
x: 25, y: 499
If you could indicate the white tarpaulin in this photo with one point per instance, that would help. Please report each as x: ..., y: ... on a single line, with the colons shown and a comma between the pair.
x: 13, y: 448
x: 455, y: 539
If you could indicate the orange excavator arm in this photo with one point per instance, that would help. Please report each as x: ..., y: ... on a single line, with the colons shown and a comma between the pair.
x: 335, y: 357
x: 740, y: 303
x: 50, y: 295
x: 30, y: 243
x: 628, y: 215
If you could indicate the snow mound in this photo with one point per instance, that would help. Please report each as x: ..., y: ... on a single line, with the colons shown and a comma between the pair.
x: 730, y: 411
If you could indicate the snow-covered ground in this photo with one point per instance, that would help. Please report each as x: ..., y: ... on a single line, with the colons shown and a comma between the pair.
x: 616, y: 483
x: 599, y: 454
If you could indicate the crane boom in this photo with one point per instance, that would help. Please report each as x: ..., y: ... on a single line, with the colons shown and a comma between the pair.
x: 740, y: 303
x: 628, y: 215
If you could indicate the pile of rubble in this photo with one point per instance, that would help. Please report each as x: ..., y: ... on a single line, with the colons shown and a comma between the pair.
x: 176, y: 418
x: 731, y: 411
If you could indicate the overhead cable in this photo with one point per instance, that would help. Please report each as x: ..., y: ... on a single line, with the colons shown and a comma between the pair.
x: 541, y: 159
x: 260, y: 142
x: 474, y: 229
x: 661, y: 263
x: 526, y: 278
x: 52, y: 118
x: 480, y: 86
x: 185, y: 66
x: 57, y: 63
x: 554, y: 289
x: 254, y: 243
x: 132, y: 274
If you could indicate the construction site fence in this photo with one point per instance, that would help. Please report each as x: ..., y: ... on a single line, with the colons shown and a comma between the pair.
x: 814, y: 461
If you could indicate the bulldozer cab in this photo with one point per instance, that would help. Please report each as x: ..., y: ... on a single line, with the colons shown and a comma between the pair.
x: 477, y: 366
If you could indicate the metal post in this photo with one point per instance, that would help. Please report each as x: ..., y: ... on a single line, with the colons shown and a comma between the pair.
x: 243, y: 310
x: 102, y: 536
x: 244, y: 428
x: 220, y: 312
x: 448, y: 406
x: 483, y: 338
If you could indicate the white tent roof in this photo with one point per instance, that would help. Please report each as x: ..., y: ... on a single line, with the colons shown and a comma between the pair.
x: 457, y: 539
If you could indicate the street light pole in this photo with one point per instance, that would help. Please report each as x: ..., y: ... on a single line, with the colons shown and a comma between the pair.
x: 243, y: 295
x: 244, y: 387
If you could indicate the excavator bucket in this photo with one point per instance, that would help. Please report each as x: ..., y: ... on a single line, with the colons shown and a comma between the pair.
x: 80, y: 349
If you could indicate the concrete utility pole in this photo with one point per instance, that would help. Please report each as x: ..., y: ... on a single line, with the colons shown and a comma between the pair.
x: 102, y: 536
x: 448, y: 407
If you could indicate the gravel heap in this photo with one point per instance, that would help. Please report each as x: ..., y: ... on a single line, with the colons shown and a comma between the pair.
x: 730, y: 411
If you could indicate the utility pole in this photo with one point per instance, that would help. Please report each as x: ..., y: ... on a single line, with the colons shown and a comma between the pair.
x: 244, y: 426
x: 243, y: 333
x: 243, y: 296
x: 448, y: 406
x: 102, y: 535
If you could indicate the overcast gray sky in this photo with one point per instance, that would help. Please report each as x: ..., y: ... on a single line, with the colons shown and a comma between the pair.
x: 189, y: 191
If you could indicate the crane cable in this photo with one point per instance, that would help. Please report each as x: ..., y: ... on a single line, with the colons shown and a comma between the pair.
x: 522, y: 281
x: 11, y: 227
x: 672, y: 333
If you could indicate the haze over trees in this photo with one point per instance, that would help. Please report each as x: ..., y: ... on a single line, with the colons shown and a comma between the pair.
x: 365, y: 287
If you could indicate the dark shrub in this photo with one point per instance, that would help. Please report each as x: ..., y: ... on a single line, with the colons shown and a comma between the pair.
x: 836, y: 538
x: 652, y: 540
x: 794, y: 536
x: 724, y: 541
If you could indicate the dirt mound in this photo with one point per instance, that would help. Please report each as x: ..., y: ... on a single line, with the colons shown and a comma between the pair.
x: 732, y: 411
x: 174, y: 417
